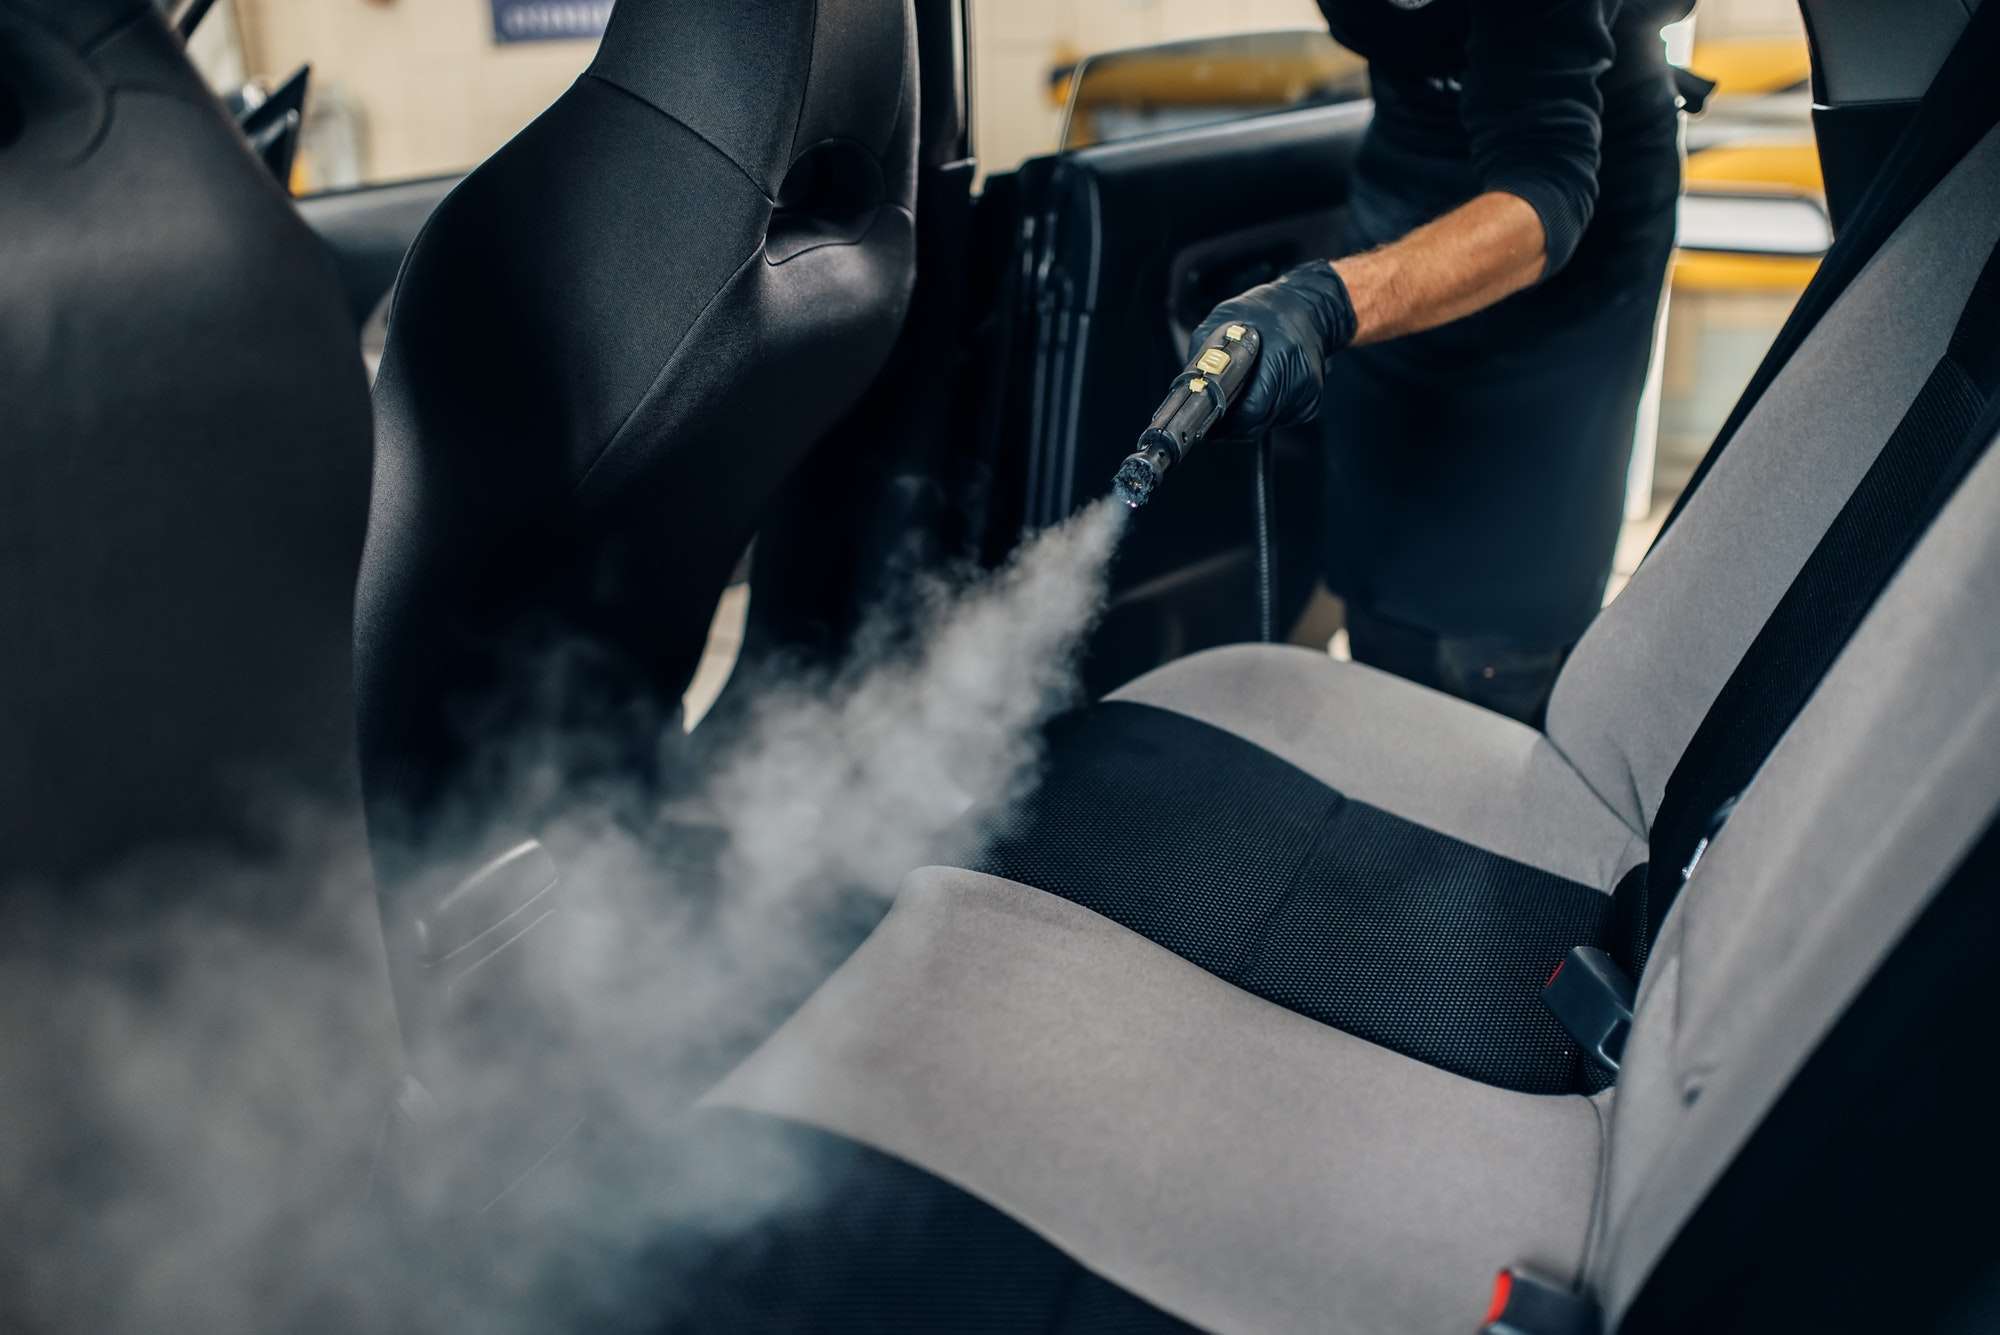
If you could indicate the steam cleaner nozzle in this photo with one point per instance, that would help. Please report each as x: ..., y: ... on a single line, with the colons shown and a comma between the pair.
x: 1200, y: 395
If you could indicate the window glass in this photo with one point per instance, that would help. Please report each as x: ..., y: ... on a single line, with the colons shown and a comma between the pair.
x: 400, y: 89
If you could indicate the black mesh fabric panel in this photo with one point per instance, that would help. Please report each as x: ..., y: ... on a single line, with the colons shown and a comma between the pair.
x: 1253, y: 869
x: 1431, y: 946
x: 1179, y: 831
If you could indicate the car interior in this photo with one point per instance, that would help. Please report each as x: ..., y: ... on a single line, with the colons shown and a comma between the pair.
x: 1252, y: 1016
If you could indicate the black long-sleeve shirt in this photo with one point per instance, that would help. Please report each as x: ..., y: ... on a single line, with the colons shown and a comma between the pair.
x: 1511, y: 95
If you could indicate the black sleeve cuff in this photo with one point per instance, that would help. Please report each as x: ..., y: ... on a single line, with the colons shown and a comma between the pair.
x: 1563, y: 212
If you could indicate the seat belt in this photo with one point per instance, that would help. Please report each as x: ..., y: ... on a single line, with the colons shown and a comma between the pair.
x: 1945, y: 430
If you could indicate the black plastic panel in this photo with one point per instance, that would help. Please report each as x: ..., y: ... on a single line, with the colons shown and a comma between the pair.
x: 1854, y: 142
x: 1120, y: 249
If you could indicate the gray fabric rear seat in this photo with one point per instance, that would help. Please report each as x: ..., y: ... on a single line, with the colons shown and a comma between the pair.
x: 1403, y: 867
x: 1249, y: 1170
x: 1646, y: 671
x: 1282, y: 793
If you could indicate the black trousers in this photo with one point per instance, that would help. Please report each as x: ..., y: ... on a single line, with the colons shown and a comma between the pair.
x: 1476, y: 473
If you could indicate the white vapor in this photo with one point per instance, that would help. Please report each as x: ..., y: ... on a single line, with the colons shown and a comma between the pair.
x: 192, y: 1085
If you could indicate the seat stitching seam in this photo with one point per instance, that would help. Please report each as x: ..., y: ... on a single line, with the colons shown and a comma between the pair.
x: 611, y: 441
x: 805, y: 93
x: 1254, y: 942
x: 1592, y: 789
x: 655, y: 107
x: 618, y: 433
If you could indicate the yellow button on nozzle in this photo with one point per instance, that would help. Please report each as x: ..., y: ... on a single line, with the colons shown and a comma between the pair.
x: 1213, y: 362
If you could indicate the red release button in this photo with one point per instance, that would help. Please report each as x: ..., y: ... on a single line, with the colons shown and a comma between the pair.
x: 1503, y: 1287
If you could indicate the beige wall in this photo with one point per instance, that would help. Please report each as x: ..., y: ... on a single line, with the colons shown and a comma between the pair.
x: 1748, y: 18
x: 435, y: 91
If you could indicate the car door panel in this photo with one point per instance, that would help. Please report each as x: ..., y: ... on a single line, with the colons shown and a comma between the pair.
x: 1120, y: 249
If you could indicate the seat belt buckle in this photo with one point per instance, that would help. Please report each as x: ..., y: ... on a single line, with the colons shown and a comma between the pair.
x: 1528, y: 1303
x: 1591, y: 998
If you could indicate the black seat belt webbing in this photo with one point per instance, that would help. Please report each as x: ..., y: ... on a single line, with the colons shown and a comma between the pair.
x: 1944, y: 431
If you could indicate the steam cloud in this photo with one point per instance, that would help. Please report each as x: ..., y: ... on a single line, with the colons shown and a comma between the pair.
x: 194, y: 1069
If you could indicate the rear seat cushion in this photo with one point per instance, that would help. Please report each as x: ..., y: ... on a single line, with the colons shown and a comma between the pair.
x: 1247, y: 1169
x: 1234, y: 1163
x: 1336, y: 908
x: 1414, y: 752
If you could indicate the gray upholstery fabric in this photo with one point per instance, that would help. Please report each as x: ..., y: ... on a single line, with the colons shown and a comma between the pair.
x: 1412, y: 751
x: 1874, y: 794
x: 1248, y: 1169
x: 1231, y: 1162
x: 1644, y: 674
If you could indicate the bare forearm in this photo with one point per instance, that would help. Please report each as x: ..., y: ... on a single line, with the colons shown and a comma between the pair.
x: 1483, y: 250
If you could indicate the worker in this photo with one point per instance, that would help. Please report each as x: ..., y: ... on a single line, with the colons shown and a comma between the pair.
x: 1476, y: 354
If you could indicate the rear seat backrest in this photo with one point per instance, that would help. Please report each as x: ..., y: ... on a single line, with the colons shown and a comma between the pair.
x: 1644, y: 675
x: 1879, y: 788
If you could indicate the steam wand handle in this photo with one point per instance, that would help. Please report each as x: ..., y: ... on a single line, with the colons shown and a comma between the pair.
x: 1199, y: 398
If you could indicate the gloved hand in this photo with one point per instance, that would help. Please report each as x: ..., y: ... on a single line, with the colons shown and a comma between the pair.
x: 1305, y: 317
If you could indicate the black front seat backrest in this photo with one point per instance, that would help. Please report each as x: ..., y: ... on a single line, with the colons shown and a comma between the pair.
x: 184, y: 435
x: 609, y: 346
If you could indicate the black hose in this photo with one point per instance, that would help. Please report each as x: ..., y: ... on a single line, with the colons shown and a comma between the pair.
x: 1267, y: 545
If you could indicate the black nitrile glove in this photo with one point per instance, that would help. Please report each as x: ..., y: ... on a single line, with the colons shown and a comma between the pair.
x: 1304, y: 317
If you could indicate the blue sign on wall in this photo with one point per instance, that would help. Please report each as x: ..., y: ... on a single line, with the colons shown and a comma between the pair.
x: 548, y: 20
